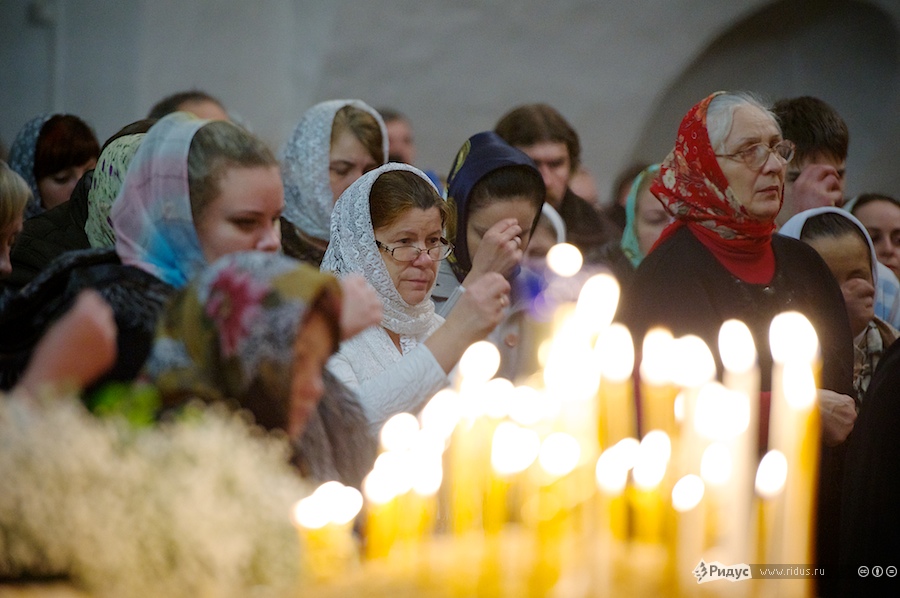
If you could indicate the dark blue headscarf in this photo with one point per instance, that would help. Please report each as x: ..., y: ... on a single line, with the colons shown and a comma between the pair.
x: 480, y: 155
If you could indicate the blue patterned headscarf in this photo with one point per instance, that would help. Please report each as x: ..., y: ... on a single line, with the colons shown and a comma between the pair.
x: 151, y: 216
x: 629, y: 243
x: 21, y: 158
x: 480, y: 155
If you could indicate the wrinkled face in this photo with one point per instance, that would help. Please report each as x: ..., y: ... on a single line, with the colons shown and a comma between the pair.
x: 553, y: 161
x: 312, y: 348
x: 57, y: 187
x: 419, y: 228
x: 758, y: 190
x: 650, y: 218
x: 519, y: 207
x: 882, y: 219
x: 7, y: 238
x: 402, y: 145
x: 849, y: 260
x: 347, y: 161
x: 245, y: 215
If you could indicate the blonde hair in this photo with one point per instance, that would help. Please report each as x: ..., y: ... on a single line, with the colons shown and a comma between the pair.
x: 14, y: 194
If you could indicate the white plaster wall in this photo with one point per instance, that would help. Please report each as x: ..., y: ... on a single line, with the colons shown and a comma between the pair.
x: 453, y: 67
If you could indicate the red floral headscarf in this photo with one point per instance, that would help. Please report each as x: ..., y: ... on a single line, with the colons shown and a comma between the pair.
x: 694, y: 189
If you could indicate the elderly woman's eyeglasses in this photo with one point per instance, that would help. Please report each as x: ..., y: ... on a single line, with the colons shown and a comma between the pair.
x: 410, y: 253
x: 756, y: 155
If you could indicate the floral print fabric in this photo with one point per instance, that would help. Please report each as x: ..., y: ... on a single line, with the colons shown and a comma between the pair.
x: 109, y: 175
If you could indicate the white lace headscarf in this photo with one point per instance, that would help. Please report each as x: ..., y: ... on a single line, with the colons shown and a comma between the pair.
x: 352, y: 250
x: 308, y: 200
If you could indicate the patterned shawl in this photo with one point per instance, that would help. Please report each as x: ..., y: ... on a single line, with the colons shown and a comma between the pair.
x: 307, y: 189
x: 21, y: 159
x: 694, y: 189
x: 151, y: 215
x: 105, y: 186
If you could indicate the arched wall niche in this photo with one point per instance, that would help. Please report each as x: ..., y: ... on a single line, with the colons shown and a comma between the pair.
x: 844, y: 52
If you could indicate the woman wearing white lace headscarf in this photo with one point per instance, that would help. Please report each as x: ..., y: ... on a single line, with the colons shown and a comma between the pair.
x: 389, y: 226
x: 334, y: 144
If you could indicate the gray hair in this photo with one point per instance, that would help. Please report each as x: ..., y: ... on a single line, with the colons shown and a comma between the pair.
x: 720, y: 115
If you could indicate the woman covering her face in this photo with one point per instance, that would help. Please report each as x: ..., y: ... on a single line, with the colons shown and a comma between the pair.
x: 389, y: 227
x: 335, y: 143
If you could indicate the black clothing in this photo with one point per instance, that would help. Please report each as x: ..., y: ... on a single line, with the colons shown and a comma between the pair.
x: 49, y: 234
x: 135, y: 296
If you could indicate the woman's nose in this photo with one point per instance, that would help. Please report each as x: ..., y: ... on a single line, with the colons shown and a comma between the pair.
x: 271, y: 239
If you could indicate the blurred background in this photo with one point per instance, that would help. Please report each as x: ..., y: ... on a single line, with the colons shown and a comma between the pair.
x: 623, y: 73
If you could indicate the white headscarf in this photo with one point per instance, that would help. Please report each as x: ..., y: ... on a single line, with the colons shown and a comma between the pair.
x: 307, y: 189
x: 794, y: 227
x: 352, y: 250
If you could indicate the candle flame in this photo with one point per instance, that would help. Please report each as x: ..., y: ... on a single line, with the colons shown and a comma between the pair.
x: 615, y: 352
x: 716, y: 465
x: 693, y: 362
x: 721, y: 413
x: 799, y: 385
x: 399, y: 432
x: 772, y: 474
x: 610, y: 473
x: 736, y: 346
x: 559, y: 454
x: 597, y: 302
x: 656, y: 366
x: 687, y: 493
x: 513, y: 449
x: 332, y: 502
x: 564, y: 259
x: 441, y: 414
x: 793, y: 338
x: 479, y: 363
x: 652, y: 459
x: 527, y: 407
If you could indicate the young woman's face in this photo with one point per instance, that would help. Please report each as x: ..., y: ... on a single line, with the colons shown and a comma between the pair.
x: 56, y: 188
x: 7, y: 238
x: 312, y: 348
x: 479, y: 222
x: 419, y: 228
x: 347, y: 161
x: 245, y: 215
x: 849, y: 260
x: 882, y: 219
x: 650, y: 220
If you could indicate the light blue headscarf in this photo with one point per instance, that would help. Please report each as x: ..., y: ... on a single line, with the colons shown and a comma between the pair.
x: 151, y: 216
x: 629, y: 243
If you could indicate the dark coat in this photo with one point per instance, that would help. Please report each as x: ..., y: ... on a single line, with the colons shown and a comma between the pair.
x: 50, y: 234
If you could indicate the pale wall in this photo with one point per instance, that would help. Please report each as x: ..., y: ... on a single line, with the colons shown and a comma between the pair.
x: 620, y: 71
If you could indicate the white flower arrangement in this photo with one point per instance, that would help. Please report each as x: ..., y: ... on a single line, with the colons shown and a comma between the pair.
x: 195, y: 507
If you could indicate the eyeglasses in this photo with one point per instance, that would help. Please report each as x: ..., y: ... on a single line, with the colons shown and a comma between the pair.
x: 410, y: 253
x: 756, y: 155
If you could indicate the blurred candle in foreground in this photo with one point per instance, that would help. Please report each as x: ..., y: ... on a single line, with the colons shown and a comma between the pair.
x: 615, y: 356
x: 657, y: 390
x: 324, y: 521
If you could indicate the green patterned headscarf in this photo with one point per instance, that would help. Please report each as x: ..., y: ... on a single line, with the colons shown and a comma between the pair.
x: 229, y: 334
x: 105, y: 186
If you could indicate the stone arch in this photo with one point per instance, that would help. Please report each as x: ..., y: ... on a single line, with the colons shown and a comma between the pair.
x: 844, y: 52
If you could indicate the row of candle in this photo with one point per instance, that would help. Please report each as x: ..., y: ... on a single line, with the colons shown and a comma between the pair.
x: 551, y: 470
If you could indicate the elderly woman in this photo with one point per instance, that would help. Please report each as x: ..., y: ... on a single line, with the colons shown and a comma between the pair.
x: 389, y: 226
x: 335, y: 143
x: 719, y: 260
x: 257, y: 329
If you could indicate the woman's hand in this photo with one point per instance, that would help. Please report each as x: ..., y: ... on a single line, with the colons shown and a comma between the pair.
x: 838, y: 414
x: 474, y: 316
x: 77, y: 349
x: 361, y: 306
x: 500, y: 251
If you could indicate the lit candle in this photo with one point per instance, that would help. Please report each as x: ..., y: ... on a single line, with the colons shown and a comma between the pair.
x: 657, y: 390
x: 647, y: 495
x: 615, y: 355
x: 687, y: 500
x: 324, y: 521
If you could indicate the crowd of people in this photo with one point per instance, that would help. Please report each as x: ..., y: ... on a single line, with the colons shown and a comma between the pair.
x: 335, y: 285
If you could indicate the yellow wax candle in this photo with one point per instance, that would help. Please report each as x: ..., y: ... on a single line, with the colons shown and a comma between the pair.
x: 795, y: 433
x: 647, y: 496
x: 770, y: 481
x: 615, y: 355
x: 324, y: 521
x: 687, y: 501
x: 657, y: 390
x: 381, y: 515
